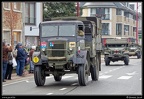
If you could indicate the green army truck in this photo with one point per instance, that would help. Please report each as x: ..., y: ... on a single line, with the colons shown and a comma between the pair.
x: 134, y: 50
x: 116, y: 50
x: 68, y: 45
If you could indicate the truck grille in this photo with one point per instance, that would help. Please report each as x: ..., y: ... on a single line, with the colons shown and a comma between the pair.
x: 57, y: 51
x: 132, y: 50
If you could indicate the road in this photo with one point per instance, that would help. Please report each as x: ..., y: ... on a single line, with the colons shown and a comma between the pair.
x: 116, y: 79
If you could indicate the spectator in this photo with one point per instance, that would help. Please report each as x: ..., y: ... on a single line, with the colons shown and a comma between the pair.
x: 30, y: 56
x: 9, y: 67
x: 20, y: 59
x: 6, y: 49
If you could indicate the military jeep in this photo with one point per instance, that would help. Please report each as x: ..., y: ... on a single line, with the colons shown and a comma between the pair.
x: 134, y: 50
x: 68, y: 45
x: 115, y: 50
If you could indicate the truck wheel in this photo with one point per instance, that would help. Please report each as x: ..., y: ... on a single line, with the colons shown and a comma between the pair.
x: 39, y: 76
x: 126, y: 60
x: 107, y: 61
x: 138, y: 55
x: 94, y: 69
x: 83, y: 74
x: 57, y: 78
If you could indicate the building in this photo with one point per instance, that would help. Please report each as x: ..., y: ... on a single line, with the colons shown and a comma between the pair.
x: 118, y: 18
x: 12, y: 23
x: 33, y: 16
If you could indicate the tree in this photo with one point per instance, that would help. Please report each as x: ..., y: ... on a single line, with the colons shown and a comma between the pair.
x: 10, y: 21
x: 59, y: 9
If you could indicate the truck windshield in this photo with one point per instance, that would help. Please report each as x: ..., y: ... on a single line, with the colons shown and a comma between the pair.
x: 55, y: 30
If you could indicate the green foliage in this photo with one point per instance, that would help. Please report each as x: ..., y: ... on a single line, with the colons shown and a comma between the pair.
x: 59, y: 9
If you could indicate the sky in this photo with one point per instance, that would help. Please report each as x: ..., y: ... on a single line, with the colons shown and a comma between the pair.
x: 139, y: 6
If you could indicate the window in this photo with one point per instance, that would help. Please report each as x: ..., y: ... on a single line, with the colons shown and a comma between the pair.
x: 126, y: 29
x: 134, y: 30
x: 17, y: 6
x: 105, y: 28
x: 6, y: 5
x: 30, y: 13
x: 118, y: 12
x: 6, y: 36
x: 104, y: 13
x: 118, y: 29
x: 126, y: 14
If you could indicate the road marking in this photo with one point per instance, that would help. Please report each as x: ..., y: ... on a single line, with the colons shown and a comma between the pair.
x: 105, y: 76
x: 133, y: 73
x: 49, y: 77
x: 49, y: 93
x: 74, y: 84
x: 14, y: 82
x: 65, y: 77
x: 140, y: 79
x: 62, y: 88
x: 124, y: 77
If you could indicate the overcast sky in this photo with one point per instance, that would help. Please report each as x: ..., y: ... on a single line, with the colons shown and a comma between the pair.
x: 139, y: 6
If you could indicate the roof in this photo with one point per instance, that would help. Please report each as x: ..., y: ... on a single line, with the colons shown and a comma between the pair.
x: 99, y: 4
x: 110, y: 4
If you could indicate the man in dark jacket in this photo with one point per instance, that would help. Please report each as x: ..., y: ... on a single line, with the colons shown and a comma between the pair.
x: 6, y: 49
x: 20, y: 59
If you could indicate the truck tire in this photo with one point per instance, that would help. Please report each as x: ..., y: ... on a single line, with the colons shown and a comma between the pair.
x: 94, y: 69
x: 138, y: 55
x: 57, y: 78
x: 107, y: 61
x: 126, y: 60
x: 82, y: 74
x: 93, y: 72
x: 39, y: 76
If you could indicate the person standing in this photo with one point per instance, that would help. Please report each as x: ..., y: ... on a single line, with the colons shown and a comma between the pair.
x: 9, y: 67
x: 20, y: 59
x: 6, y: 49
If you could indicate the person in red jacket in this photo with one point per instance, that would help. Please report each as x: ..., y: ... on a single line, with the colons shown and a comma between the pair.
x: 6, y: 49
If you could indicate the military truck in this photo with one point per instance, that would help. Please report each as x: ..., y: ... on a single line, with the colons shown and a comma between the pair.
x: 134, y: 50
x: 116, y: 50
x: 68, y: 45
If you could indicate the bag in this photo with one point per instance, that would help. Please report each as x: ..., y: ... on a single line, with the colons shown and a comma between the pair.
x: 14, y: 62
x: 15, y: 53
x: 10, y: 62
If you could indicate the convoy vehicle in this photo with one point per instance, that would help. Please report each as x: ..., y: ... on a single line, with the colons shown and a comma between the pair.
x: 68, y: 45
x: 116, y: 50
x: 134, y: 50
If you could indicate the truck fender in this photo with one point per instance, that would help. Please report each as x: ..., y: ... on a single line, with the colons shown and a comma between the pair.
x: 80, y: 57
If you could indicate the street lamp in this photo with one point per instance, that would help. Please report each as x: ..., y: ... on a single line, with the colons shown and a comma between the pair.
x: 137, y: 23
x: 78, y: 8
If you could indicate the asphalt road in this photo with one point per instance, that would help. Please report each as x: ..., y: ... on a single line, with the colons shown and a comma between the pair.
x: 116, y: 79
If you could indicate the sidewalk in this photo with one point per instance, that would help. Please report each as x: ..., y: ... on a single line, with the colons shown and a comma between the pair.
x: 27, y: 74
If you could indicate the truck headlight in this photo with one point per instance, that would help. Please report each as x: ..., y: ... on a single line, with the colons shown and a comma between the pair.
x: 35, y: 59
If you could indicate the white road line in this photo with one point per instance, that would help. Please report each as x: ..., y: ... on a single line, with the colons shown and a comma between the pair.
x: 49, y: 93
x: 62, y: 88
x: 14, y: 82
x: 140, y: 79
x: 105, y: 76
x: 49, y: 77
x: 65, y: 77
x: 124, y: 77
x: 74, y: 84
